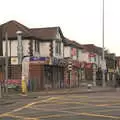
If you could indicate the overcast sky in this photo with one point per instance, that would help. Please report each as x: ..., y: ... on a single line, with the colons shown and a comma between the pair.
x: 80, y: 20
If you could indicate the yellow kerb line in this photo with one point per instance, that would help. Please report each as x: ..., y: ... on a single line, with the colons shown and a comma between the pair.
x: 21, y: 117
x: 97, y: 115
x: 28, y: 105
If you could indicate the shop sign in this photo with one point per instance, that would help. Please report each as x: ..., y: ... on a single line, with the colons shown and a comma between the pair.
x: 13, y: 83
x: 37, y: 58
x: 111, y: 70
x: 88, y: 65
x: 92, y: 55
x: 14, y: 60
x: 40, y: 59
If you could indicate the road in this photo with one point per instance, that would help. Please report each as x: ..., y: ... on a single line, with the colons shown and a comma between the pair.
x: 92, y: 106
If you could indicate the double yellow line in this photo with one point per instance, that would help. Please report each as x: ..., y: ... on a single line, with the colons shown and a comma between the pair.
x: 10, y: 114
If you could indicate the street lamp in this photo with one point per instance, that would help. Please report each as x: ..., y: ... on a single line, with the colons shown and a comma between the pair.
x: 103, y: 54
x: 19, y: 47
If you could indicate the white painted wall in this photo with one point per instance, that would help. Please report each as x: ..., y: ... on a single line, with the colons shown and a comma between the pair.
x: 80, y: 54
x: 4, y: 47
x: 44, y: 49
x: 84, y: 57
x: 67, y: 51
x: 14, y: 44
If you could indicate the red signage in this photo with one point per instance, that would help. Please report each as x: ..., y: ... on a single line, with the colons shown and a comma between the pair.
x: 92, y: 55
x: 15, y: 82
x: 89, y: 65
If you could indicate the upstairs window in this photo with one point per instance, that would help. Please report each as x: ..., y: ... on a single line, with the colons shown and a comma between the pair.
x: 37, y: 48
x: 58, y: 47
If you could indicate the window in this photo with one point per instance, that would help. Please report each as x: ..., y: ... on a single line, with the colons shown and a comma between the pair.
x: 58, y: 47
x: 95, y: 58
x: 37, y: 48
x: 90, y: 59
x: 77, y: 54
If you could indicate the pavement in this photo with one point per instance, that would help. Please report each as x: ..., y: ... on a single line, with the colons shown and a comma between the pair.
x: 62, y: 91
x: 13, y: 97
x: 88, y: 106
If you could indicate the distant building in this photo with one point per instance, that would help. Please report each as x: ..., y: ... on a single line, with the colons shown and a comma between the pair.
x: 73, y: 54
x: 93, y: 59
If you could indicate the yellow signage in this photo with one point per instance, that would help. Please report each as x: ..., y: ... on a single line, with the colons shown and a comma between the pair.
x: 14, y: 60
x: 111, y: 70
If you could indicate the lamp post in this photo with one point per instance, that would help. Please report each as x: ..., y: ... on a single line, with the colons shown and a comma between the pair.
x: 103, y: 54
x: 19, y: 47
x: 6, y: 62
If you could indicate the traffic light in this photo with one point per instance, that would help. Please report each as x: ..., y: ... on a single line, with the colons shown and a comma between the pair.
x: 51, y: 49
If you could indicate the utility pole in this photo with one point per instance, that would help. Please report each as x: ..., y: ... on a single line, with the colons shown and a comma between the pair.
x: 103, y: 54
x: 94, y: 75
x: 6, y: 63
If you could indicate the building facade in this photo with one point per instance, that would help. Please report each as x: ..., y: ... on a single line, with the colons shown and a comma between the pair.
x: 72, y: 54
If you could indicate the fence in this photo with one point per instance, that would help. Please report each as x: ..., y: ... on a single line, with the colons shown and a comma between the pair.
x: 14, y: 77
x: 43, y: 77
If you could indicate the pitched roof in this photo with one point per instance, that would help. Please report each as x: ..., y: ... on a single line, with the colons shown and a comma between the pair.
x: 48, y: 33
x: 67, y: 42
x: 117, y: 57
x: 78, y: 45
x: 12, y: 27
x: 73, y: 43
x: 92, y: 48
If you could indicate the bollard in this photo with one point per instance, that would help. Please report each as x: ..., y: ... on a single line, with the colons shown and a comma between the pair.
x: 89, y: 87
x: 24, y: 87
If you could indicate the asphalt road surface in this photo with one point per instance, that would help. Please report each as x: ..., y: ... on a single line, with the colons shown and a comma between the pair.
x: 92, y: 106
